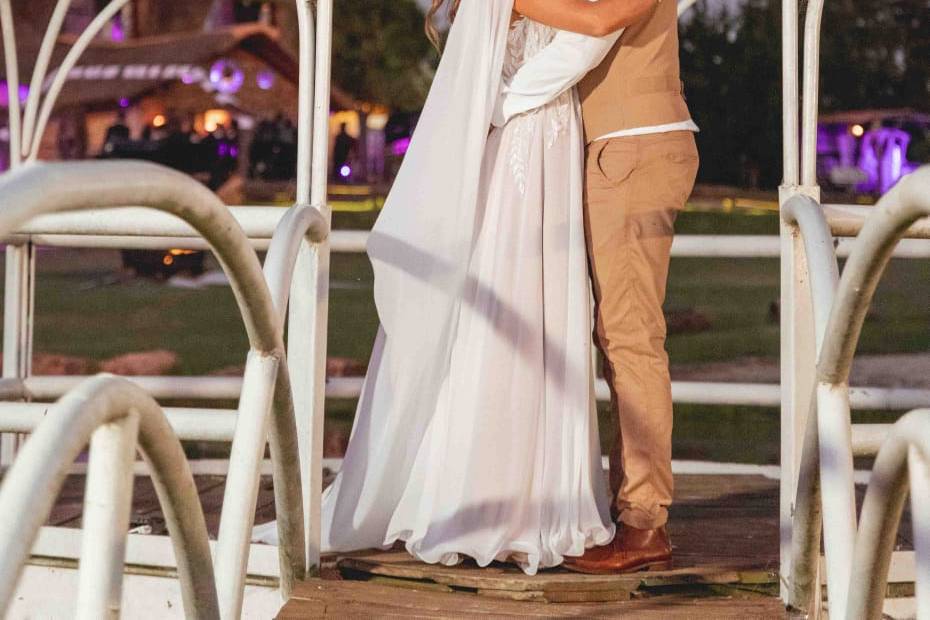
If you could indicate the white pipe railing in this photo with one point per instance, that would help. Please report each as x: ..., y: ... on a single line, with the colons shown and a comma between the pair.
x: 903, y: 461
x: 41, y: 188
x: 114, y: 413
x: 61, y: 74
x: 826, y: 478
x: 811, y: 98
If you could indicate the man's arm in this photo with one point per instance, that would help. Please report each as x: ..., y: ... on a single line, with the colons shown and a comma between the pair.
x: 595, y: 19
x: 548, y: 74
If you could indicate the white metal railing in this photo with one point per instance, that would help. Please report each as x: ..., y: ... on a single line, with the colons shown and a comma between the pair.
x: 822, y: 316
x: 280, y: 403
x: 115, y: 417
x: 265, y: 386
x: 825, y: 491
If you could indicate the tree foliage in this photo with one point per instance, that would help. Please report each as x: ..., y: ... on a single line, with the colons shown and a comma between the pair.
x: 875, y: 54
x: 380, y: 53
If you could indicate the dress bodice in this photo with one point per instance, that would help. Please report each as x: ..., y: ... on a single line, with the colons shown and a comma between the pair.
x: 525, y: 40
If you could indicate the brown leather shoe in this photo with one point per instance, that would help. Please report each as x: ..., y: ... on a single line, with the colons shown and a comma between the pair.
x: 630, y: 551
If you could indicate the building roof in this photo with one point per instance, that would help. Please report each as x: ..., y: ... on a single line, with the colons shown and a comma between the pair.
x: 867, y: 117
x: 155, y: 61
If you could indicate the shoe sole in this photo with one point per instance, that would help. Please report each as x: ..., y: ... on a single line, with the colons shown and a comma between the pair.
x: 641, y: 568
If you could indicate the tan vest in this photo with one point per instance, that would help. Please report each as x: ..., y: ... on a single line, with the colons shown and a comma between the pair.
x: 638, y: 84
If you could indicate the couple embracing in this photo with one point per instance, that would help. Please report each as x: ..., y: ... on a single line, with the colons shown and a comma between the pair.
x: 551, y: 158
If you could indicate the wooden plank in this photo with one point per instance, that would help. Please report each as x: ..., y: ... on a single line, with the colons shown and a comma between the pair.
x: 495, y: 577
x: 401, y: 565
x: 335, y: 599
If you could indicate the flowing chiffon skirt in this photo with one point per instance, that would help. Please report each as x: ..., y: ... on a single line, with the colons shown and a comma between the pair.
x: 507, y: 465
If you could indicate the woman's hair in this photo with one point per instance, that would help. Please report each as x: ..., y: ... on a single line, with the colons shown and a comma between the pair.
x: 432, y: 33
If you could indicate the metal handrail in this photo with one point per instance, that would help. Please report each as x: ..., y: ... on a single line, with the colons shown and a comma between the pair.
x: 904, y: 460
x: 95, y: 410
x: 37, y: 188
x: 810, y: 101
x: 804, y: 213
x: 826, y: 480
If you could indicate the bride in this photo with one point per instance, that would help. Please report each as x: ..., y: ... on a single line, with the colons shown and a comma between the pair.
x: 476, y: 433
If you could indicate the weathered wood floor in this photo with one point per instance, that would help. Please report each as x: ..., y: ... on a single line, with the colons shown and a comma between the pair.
x: 724, y: 528
x: 145, y: 509
x: 725, y: 532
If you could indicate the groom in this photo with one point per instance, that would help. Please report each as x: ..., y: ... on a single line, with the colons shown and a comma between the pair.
x: 641, y: 163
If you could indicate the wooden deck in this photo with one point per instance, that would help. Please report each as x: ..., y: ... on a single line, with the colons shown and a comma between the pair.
x: 725, y: 532
x: 724, y: 529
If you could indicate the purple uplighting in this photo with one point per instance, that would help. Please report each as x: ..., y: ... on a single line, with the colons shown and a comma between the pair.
x: 226, y: 76
x: 23, y: 92
x: 117, y: 32
x: 399, y: 147
x: 345, y: 171
x: 870, y: 161
x: 124, y: 102
x: 265, y: 79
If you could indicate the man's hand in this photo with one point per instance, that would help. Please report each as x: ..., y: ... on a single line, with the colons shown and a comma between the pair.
x: 595, y: 19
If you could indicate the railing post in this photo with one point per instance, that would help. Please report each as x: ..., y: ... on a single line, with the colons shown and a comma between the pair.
x: 18, y: 308
x: 20, y: 260
x: 308, y: 310
x: 919, y: 478
x: 242, y: 481
x: 793, y: 352
x: 798, y: 365
x: 107, y: 505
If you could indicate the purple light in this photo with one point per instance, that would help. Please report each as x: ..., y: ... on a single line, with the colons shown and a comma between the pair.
x: 345, y: 171
x: 22, y: 91
x: 399, y: 147
x: 223, y: 149
x: 233, y: 151
x: 117, y: 32
x: 124, y: 102
x: 265, y: 79
x: 226, y: 76
x: 188, y: 77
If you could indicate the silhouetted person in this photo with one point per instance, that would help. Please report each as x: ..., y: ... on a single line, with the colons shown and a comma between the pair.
x: 117, y: 133
x: 343, y: 148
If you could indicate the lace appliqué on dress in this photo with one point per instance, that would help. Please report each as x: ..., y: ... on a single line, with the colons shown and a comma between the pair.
x: 526, y: 39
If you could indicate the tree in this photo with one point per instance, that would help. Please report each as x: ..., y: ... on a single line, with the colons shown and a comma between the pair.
x: 731, y: 69
x: 380, y: 53
x: 873, y: 55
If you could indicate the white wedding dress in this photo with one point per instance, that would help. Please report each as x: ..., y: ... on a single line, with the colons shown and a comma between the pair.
x: 484, y: 443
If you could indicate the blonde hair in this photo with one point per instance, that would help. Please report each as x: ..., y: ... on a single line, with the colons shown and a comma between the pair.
x: 432, y: 33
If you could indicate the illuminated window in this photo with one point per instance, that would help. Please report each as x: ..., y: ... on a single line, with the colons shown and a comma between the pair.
x: 214, y: 118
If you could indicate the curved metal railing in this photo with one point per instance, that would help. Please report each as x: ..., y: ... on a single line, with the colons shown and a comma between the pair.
x: 825, y: 492
x: 38, y: 188
x: 902, y: 462
x: 115, y: 416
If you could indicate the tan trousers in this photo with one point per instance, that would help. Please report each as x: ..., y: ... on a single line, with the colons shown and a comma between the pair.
x: 634, y: 189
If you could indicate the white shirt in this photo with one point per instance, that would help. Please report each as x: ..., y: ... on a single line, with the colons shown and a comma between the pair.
x: 555, y: 69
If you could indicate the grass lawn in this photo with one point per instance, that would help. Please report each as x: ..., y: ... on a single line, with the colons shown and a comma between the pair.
x: 83, y: 310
